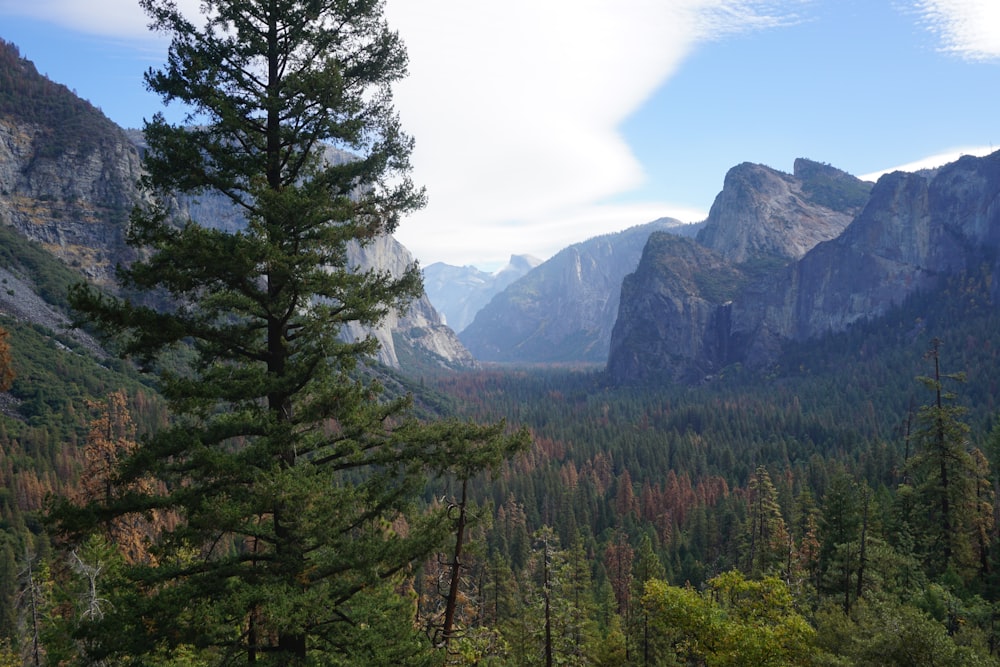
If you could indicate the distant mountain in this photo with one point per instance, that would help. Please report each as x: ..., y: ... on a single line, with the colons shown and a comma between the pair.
x: 683, y: 320
x: 459, y: 292
x: 564, y: 309
x: 68, y: 180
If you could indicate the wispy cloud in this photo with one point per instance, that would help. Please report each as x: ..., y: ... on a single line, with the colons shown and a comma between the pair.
x: 122, y: 19
x: 516, y: 108
x: 931, y: 161
x: 967, y: 28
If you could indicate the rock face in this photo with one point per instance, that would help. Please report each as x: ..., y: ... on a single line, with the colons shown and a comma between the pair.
x: 459, y: 292
x: 419, y: 330
x: 669, y: 307
x: 764, y: 213
x: 67, y: 174
x: 913, y: 230
x: 564, y: 309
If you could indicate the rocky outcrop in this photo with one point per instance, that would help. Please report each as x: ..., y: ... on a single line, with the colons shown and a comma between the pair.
x: 913, y: 230
x: 459, y: 292
x: 669, y: 307
x: 75, y: 203
x: 764, y: 213
x: 564, y: 309
x: 417, y: 331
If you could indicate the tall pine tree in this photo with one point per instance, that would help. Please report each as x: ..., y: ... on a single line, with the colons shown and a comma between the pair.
x: 292, y: 475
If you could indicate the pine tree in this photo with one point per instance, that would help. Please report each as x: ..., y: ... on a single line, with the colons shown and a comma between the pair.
x: 289, y: 467
x: 767, y: 538
x: 944, y: 473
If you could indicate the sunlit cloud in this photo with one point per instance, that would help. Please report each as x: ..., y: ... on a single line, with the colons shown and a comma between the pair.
x: 122, y: 19
x: 931, y: 161
x: 516, y: 108
x: 967, y: 28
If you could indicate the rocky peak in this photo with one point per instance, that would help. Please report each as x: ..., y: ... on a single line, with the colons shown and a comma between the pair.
x: 764, y: 213
x: 915, y: 229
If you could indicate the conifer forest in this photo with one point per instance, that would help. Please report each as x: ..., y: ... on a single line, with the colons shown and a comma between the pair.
x: 240, y: 484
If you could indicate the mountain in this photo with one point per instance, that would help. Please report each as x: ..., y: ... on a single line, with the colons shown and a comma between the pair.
x: 564, y: 309
x: 68, y: 180
x: 764, y: 213
x: 67, y: 174
x: 914, y: 230
x: 459, y: 292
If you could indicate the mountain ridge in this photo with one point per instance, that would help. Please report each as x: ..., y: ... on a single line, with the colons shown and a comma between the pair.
x: 914, y: 229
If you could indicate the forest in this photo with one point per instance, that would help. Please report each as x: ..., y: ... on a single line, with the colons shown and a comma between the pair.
x: 236, y: 483
x: 788, y: 515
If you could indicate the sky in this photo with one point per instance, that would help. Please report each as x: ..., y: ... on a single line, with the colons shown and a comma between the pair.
x: 542, y: 123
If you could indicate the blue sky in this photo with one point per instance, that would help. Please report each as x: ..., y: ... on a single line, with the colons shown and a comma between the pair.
x: 541, y: 123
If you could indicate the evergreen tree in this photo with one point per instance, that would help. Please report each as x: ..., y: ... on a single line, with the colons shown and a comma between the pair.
x: 8, y: 589
x: 292, y: 474
x: 767, y: 538
x: 839, y: 532
x: 646, y: 567
x: 945, y: 475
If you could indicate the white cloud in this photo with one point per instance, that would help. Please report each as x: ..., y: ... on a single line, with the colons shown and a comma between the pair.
x: 931, y: 161
x: 515, y: 106
x: 967, y: 28
x: 113, y: 18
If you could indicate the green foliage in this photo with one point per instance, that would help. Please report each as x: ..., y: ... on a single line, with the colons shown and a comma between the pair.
x: 887, y: 633
x: 832, y: 188
x: 50, y: 277
x: 735, y: 622
x: 71, y: 124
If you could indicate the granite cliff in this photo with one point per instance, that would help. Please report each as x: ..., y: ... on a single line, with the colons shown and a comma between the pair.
x: 417, y: 332
x: 914, y: 229
x: 459, y: 292
x: 764, y: 213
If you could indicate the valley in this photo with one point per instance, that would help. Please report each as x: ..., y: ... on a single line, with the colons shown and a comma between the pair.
x: 760, y: 439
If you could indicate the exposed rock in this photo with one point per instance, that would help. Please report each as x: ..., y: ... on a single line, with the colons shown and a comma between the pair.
x: 913, y: 230
x: 420, y: 327
x: 764, y: 213
x: 76, y: 203
x: 669, y: 307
